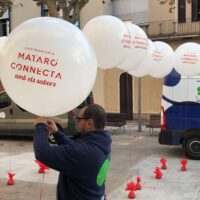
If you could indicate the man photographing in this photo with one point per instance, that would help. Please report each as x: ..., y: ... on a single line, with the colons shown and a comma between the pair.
x: 83, y: 160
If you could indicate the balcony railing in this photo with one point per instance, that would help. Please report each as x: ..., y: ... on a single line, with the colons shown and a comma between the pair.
x: 171, y: 29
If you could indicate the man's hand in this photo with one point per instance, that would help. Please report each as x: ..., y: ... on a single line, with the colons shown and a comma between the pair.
x: 52, y: 127
x: 41, y: 120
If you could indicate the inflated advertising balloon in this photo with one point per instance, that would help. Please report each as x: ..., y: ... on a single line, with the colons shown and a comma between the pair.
x: 48, y: 66
x: 2, y: 42
x: 187, y: 59
x: 137, y: 48
x: 144, y: 67
x: 107, y: 35
x: 162, y: 61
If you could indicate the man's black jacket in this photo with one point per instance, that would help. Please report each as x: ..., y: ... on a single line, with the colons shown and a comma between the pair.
x: 82, y: 162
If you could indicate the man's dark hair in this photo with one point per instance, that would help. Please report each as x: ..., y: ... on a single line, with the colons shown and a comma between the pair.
x: 97, y: 113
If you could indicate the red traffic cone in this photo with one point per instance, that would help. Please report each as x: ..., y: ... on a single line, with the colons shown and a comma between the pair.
x: 138, y: 183
x: 42, y: 167
x: 163, y: 163
x: 158, y: 173
x: 184, y: 164
x: 131, y: 195
x: 10, y: 180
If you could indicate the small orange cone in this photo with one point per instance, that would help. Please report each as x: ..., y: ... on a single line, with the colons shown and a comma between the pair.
x: 138, y: 183
x: 11, y: 178
x: 184, y: 164
x: 130, y: 186
x: 163, y: 163
x: 158, y: 173
x: 131, y: 194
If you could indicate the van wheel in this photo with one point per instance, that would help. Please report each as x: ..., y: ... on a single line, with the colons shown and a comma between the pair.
x: 191, y: 146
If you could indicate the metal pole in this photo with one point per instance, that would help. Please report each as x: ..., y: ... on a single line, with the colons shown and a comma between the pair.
x: 42, y: 13
x: 139, y: 105
x: 9, y: 18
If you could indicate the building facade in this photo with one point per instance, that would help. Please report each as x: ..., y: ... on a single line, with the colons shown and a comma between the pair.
x: 175, y: 24
x: 119, y: 91
x: 114, y: 89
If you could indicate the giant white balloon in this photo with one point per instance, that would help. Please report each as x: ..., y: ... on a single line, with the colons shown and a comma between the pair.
x: 48, y: 66
x: 2, y: 42
x: 162, y: 61
x: 137, y: 47
x: 187, y: 59
x: 144, y: 67
x: 106, y: 35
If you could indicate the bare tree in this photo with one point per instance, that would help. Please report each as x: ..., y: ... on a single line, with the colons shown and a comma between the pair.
x: 171, y: 4
x: 69, y: 9
x: 4, y: 5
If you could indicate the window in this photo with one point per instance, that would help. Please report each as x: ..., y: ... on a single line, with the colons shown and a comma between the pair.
x: 181, y: 11
x: 44, y: 10
x: 4, y: 24
x: 195, y: 10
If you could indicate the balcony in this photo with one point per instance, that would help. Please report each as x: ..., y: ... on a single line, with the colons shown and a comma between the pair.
x: 135, y: 10
x: 170, y: 29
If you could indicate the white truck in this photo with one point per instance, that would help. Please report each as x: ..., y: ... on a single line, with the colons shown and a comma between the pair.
x: 16, y: 121
x: 180, y: 116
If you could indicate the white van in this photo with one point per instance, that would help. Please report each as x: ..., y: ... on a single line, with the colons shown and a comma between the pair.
x: 180, y: 116
x: 16, y: 121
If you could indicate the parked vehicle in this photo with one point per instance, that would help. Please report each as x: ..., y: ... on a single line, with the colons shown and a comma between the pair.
x: 16, y: 121
x: 180, y: 116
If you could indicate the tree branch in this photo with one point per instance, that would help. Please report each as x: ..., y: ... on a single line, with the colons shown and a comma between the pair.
x: 70, y: 8
x: 4, y: 6
x: 52, y: 7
